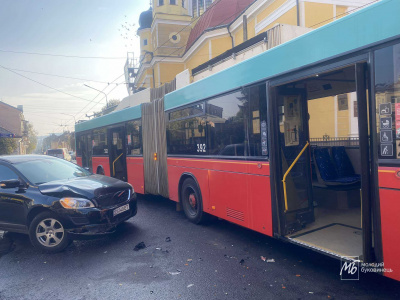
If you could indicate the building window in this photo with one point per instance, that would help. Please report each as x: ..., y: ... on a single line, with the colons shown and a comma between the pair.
x: 200, y: 6
x: 145, y: 42
x: 173, y: 2
x: 160, y: 2
x: 183, y: 3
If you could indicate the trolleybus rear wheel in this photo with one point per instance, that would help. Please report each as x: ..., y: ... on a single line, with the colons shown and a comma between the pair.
x: 192, y: 202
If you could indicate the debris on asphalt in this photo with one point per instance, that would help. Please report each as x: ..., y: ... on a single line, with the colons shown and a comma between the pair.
x: 158, y: 248
x: 270, y: 260
x: 105, y: 252
x: 139, y: 246
x: 189, y: 259
x: 168, y: 239
x: 263, y: 258
x: 241, y: 261
x: 298, y: 275
x: 175, y: 273
x: 165, y: 251
x: 151, y: 292
x: 190, y: 285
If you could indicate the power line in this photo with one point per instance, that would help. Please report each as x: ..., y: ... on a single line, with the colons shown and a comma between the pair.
x: 46, y: 74
x: 96, y: 97
x: 347, y: 12
x: 44, y: 84
x: 95, y: 103
x: 60, y: 55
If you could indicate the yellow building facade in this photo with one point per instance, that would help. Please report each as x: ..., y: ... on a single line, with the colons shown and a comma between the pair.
x: 179, y: 35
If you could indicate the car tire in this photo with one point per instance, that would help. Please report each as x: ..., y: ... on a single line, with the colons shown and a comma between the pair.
x: 48, y: 233
x: 192, y: 202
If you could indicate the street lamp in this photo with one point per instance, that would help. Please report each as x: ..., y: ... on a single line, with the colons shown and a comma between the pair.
x: 98, y: 91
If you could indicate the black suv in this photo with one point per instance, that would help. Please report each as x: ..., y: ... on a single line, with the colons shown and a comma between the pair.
x: 55, y: 201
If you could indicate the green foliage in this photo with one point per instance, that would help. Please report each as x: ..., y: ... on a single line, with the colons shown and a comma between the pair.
x: 107, y: 109
x: 32, y: 139
x: 8, y: 146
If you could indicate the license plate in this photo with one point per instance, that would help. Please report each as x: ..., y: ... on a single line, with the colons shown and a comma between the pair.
x: 121, y: 209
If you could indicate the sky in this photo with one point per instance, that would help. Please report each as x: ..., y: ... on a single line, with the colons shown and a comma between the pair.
x: 84, y: 28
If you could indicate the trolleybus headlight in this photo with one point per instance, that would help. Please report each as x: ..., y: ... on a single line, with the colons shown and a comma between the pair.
x: 74, y: 203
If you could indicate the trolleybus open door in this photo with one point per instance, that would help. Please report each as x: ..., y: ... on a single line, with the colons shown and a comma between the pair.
x: 117, y: 152
x: 294, y: 151
x: 323, y: 191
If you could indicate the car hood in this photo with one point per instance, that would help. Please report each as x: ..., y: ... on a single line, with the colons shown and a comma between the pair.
x: 90, y: 187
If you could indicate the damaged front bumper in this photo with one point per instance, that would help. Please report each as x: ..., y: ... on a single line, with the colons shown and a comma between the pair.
x: 94, y: 223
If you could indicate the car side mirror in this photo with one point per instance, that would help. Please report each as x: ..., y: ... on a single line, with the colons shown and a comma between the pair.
x: 9, y: 184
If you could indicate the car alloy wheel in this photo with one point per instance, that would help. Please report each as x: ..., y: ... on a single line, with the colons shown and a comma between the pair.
x: 50, y: 232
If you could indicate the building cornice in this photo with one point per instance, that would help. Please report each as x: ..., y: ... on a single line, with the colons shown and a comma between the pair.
x: 281, y: 10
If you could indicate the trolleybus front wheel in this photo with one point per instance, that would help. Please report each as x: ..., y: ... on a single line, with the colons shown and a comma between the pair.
x: 192, y: 202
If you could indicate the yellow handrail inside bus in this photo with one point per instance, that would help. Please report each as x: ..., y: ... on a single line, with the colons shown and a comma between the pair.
x: 287, y: 173
x: 114, y: 163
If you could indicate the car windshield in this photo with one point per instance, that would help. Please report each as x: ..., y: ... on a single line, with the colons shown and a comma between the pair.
x: 46, y: 170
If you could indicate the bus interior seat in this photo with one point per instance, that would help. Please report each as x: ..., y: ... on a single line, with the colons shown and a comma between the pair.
x: 327, y: 172
x: 343, y: 163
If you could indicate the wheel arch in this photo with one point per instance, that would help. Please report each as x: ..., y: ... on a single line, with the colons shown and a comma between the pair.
x: 184, y: 176
x: 34, y: 212
x: 100, y: 167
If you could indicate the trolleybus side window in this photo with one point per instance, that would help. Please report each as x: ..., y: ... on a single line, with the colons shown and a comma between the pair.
x: 257, y: 121
x: 79, y: 144
x: 134, y: 137
x: 186, y: 131
x: 237, y: 124
x: 225, y: 124
x: 99, y: 142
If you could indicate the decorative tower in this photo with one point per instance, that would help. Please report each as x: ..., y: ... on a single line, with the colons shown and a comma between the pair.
x: 171, y: 27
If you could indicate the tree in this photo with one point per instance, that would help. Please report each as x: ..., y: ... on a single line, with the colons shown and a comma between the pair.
x: 32, y: 139
x: 8, y: 146
x: 112, y: 104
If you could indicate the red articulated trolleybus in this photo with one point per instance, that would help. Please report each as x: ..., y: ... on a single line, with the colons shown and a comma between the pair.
x: 301, y: 142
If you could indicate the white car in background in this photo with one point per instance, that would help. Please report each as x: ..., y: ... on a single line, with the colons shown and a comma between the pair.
x: 59, y: 153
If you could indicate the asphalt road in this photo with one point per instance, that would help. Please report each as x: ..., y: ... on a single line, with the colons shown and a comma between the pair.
x: 216, y: 261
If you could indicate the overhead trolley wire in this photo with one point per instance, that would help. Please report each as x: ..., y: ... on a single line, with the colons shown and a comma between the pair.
x: 44, y: 84
x: 346, y: 13
x: 60, y: 55
x: 53, y: 75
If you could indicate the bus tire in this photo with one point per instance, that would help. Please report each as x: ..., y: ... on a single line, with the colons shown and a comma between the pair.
x: 192, y: 202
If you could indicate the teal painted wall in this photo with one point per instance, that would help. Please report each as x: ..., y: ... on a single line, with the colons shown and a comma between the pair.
x: 369, y: 25
x: 115, y: 117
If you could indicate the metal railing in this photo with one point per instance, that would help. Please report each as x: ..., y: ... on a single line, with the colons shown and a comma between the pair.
x: 335, y: 141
